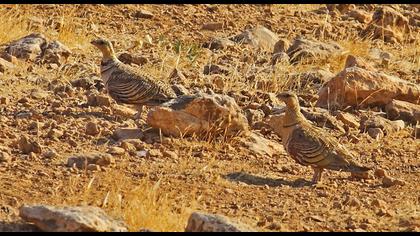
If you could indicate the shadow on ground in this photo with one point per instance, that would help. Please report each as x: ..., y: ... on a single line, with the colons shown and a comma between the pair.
x: 17, y: 227
x: 258, y: 180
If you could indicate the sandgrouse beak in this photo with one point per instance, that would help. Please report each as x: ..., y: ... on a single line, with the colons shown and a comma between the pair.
x: 94, y: 42
x: 283, y: 95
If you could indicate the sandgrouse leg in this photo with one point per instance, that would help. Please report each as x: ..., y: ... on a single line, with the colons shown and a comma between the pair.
x: 317, y: 175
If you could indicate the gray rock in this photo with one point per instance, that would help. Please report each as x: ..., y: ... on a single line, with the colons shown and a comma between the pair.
x: 98, y: 100
x: 375, y: 133
x: 387, y: 126
x: 212, y: 26
x: 215, y: 69
x: 127, y: 133
x: 92, y: 128
x: 406, y: 111
x: 387, y: 24
x: 26, y: 145
x: 201, y: 222
x: 82, y: 160
x: 280, y: 57
x: 143, y: 14
x: 305, y: 50
x: 198, y: 114
x: 5, y: 157
x: 314, y: 76
x: 322, y: 118
x: 116, y: 151
x: 359, y: 85
x: 128, y: 58
x: 281, y: 46
x: 259, y: 37
x: 254, y: 116
x: 70, y: 219
x: 261, y: 146
x: 28, y: 47
x: 177, y: 76
x: 219, y: 44
x: 85, y: 82
x: 180, y: 90
x: 348, y: 119
x: 5, y: 65
x: 36, y: 47
x: 55, y: 53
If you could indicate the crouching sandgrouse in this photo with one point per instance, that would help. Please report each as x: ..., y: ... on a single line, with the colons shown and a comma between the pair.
x: 128, y: 85
x: 312, y: 146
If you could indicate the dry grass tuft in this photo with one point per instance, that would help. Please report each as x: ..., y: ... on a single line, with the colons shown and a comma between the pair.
x: 13, y: 25
x: 141, y: 204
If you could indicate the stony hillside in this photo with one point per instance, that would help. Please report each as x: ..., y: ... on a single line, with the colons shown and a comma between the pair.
x: 65, y: 143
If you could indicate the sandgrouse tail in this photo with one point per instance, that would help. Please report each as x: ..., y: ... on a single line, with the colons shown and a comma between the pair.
x: 310, y: 145
x: 128, y: 85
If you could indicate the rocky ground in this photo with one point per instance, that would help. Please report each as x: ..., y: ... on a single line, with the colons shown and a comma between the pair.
x: 64, y: 142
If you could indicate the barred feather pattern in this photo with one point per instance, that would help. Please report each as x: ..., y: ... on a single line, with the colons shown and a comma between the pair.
x: 309, y: 145
x: 130, y: 86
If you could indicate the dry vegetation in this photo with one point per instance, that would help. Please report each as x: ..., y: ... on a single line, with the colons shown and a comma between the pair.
x: 159, y: 193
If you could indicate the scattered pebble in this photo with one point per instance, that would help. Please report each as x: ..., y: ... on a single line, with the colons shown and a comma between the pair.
x: 92, y: 128
x: 116, y: 151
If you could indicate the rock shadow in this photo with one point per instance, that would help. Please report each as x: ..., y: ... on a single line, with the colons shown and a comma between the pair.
x: 85, y: 114
x: 261, y: 181
x: 17, y: 227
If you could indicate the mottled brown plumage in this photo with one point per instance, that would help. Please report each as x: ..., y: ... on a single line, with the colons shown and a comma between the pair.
x: 128, y: 85
x: 312, y: 146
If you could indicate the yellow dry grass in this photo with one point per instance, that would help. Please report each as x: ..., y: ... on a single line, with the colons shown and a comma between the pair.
x: 140, y: 204
x: 12, y: 24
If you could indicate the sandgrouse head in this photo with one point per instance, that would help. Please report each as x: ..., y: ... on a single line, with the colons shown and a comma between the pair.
x: 289, y: 98
x: 104, y: 45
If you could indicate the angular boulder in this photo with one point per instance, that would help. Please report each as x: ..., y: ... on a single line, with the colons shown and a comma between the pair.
x: 348, y: 119
x: 259, y: 37
x: 275, y: 122
x: 400, y: 110
x: 387, y: 24
x: 27, y: 145
x: 360, y: 15
x: 359, y: 87
x: 82, y: 160
x: 373, y: 121
x: 314, y: 76
x: 128, y: 58
x: 258, y: 145
x: 199, y: 114
x: 28, y: 47
x: 305, y: 50
x: 70, y: 219
x: 55, y: 52
x: 127, y: 133
x: 219, y: 44
x: 36, y: 47
x: 202, y: 222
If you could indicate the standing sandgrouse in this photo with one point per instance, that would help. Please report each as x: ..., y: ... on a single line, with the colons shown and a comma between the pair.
x: 128, y: 85
x: 310, y: 145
